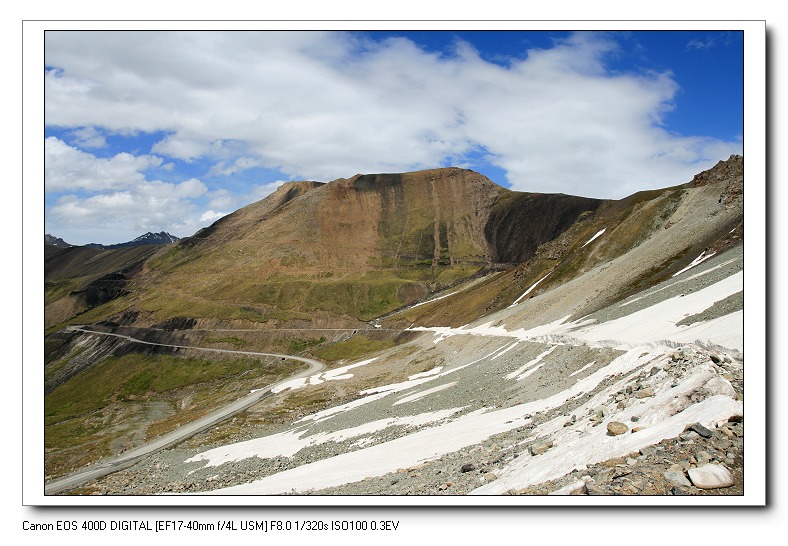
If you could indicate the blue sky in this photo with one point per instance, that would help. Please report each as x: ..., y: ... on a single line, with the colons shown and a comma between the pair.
x: 171, y: 130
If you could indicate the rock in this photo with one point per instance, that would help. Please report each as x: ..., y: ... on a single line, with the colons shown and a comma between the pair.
x: 467, y: 468
x: 648, y: 451
x: 677, y: 477
x: 593, y: 489
x: 575, y: 488
x: 700, y: 429
x: 614, y: 428
x: 644, y: 393
x: 540, y: 447
x: 702, y: 457
x: 722, y: 443
x: 710, y: 476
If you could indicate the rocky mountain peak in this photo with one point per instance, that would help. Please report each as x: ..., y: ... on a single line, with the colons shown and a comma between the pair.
x: 55, y: 241
x: 731, y: 169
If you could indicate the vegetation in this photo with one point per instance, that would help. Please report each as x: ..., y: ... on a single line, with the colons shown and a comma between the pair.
x: 134, y: 375
x: 126, y: 399
x: 355, y: 347
x: 232, y: 340
x: 299, y: 345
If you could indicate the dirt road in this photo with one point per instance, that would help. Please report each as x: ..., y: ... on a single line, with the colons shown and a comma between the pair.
x: 132, y: 456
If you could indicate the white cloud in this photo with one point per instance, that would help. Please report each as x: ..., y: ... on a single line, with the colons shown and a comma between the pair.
x: 701, y: 44
x: 239, y: 165
x: 210, y: 216
x: 89, y: 137
x: 115, y: 217
x: 320, y: 106
x: 69, y: 168
x: 96, y: 198
x: 181, y: 148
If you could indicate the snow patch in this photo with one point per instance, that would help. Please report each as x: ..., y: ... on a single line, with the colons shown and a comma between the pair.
x: 506, y: 349
x: 432, y: 300
x: 657, y: 323
x: 702, y: 258
x: 691, y: 277
x: 583, y: 368
x: 428, y: 373
x: 521, y: 372
x: 330, y: 375
x: 422, y: 394
x: 598, y: 233
x: 287, y: 444
x: 534, y: 285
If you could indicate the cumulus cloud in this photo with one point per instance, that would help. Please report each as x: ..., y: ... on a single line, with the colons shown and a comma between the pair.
x: 211, y: 216
x: 324, y: 105
x: 69, y: 168
x: 94, y: 194
x: 239, y: 165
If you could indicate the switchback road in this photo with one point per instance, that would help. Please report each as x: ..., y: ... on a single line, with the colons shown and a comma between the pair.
x: 130, y: 457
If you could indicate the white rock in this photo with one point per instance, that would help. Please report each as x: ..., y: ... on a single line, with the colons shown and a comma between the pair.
x: 710, y: 476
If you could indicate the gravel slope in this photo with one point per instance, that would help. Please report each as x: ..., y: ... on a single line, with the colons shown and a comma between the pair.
x: 471, y: 423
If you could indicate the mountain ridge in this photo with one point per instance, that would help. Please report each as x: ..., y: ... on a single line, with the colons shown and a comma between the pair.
x: 149, y: 238
x: 364, y: 246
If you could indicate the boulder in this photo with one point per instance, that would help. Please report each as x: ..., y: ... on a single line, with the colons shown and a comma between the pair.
x: 540, y: 447
x: 614, y: 428
x: 710, y: 476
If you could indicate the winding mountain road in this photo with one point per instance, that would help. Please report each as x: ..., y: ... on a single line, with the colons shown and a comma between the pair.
x: 130, y: 457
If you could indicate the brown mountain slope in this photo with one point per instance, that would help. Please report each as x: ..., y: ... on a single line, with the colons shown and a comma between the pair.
x: 358, y: 248
x: 355, y: 248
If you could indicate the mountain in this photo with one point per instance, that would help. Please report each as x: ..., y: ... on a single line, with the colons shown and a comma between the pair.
x: 161, y: 238
x: 476, y: 340
x: 350, y: 250
x: 361, y: 248
x: 55, y: 241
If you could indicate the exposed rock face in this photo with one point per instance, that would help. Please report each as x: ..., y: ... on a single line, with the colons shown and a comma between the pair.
x: 55, y: 241
x: 521, y: 222
x: 731, y: 172
x: 731, y: 169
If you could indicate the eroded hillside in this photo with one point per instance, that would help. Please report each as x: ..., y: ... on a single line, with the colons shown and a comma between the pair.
x: 354, y: 249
